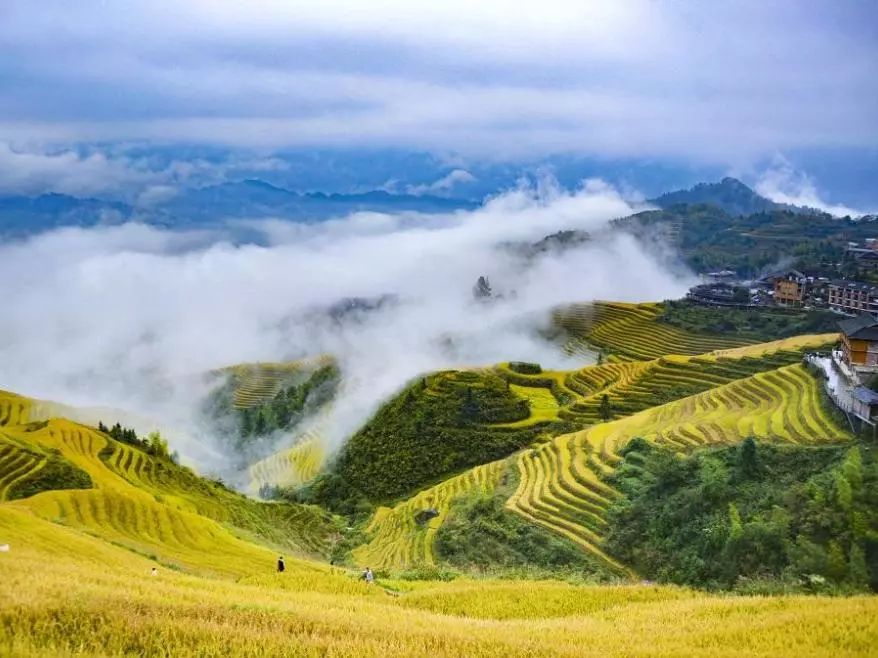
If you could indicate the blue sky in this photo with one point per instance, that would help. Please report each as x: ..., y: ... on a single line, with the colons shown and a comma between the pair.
x: 120, y: 98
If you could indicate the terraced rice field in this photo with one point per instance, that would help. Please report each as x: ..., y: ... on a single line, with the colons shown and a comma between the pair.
x: 64, y: 592
x: 543, y: 405
x: 632, y: 331
x: 17, y: 462
x: 398, y: 541
x: 289, y: 467
x: 561, y: 485
x: 258, y: 383
x: 14, y: 409
x: 137, y: 502
x: 638, y: 385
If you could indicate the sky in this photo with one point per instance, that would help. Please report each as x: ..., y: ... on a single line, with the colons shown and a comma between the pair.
x: 112, y: 98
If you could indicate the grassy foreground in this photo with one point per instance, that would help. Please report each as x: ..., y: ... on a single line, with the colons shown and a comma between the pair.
x: 63, y: 592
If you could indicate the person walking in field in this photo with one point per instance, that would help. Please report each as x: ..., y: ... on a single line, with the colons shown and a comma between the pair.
x: 154, y: 572
x: 280, y: 565
x: 368, y: 576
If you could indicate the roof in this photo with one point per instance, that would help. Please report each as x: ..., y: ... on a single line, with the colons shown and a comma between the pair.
x: 866, y: 395
x: 863, y: 326
x: 853, y: 285
x: 784, y: 274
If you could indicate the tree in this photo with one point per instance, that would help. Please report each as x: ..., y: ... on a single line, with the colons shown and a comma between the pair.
x: 836, y: 566
x: 858, y: 572
x: 157, y: 446
x: 606, y: 410
x: 748, y: 458
x: 482, y: 289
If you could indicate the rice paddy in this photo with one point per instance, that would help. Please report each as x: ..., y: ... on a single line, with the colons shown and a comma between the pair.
x: 400, y: 538
x: 632, y: 331
x: 64, y: 592
x: 562, y: 486
x: 76, y: 579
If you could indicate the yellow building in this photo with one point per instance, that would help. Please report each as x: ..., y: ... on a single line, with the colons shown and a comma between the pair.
x: 859, y: 342
x: 790, y: 289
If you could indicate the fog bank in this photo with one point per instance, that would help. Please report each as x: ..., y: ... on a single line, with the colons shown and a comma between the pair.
x: 130, y: 316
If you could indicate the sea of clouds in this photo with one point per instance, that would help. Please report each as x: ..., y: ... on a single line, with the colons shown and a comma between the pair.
x: 131, y: 316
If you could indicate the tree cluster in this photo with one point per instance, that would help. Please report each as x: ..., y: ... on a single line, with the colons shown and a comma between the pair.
x: 153, y: 444
x: 755, y: 515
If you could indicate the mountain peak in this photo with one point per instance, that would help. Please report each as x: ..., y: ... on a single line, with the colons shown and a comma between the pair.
x: 729, y: 194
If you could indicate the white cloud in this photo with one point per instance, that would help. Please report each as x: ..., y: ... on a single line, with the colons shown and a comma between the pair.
x: 444, y: 184
x: 156, y: 195
x: 693, y: 80
x: 31, y: 169
x: 125, y: 316
x: 782, y: 183
x: 65, y: 172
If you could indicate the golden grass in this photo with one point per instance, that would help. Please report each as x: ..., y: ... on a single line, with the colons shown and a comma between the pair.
x: 289, y: 467
x: 562, y: 488
x: 65, y: 593
x: 543, y: 405
x: 398, y: 541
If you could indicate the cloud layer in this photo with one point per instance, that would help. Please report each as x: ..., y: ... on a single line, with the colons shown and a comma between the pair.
x: 129, y: 316
x: 708, y: 81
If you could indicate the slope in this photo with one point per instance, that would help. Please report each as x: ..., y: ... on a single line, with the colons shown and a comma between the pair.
x: 64, y: 592
x: 147, y: 503
x: 562, y: 483
x: 634, y: 332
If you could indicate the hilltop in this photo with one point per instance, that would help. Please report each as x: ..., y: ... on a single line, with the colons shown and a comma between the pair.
x: 729, y: 195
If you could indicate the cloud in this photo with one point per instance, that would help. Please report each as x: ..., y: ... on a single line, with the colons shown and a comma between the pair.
x: 782, y: 183
x: 120, y: 171
x: 65, y: 172
x: 684, y: 80
x: 129, y: 316
x: 444, y: 184
x: 156, y: 195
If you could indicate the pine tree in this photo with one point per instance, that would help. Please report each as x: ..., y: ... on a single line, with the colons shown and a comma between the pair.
x: 836, y: 566
x: 748, y: 457
x: 858, y: 572
x: 606, y: 410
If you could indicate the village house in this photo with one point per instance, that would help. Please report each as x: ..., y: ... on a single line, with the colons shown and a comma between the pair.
x: 853, y: 297
x: 859, y: 344
x: 851, y: 370
x: 790, y: 288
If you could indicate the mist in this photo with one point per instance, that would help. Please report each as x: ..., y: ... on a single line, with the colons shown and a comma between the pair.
x: 130, y: 317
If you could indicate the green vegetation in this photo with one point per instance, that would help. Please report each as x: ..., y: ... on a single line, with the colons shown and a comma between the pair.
x: 758, y: 323
x: 153, y: 444
x: 750, y: 516
x: 247, y: 422
x: 563, y: 484
x: 436, y: 426
x: 525, y: 368
x: 55, y: 473
x: 711, y: 239
x: 287, y: 407
x: 481, y: 535
x: 291, y: 526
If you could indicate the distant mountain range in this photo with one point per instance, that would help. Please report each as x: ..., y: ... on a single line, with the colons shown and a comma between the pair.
x: 254, y: 199
x: 209, y: 206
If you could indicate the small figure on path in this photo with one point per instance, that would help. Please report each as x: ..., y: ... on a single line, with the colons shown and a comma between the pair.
x: 280, y: 565
x: 154, y: 572
x: 368, y: 576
